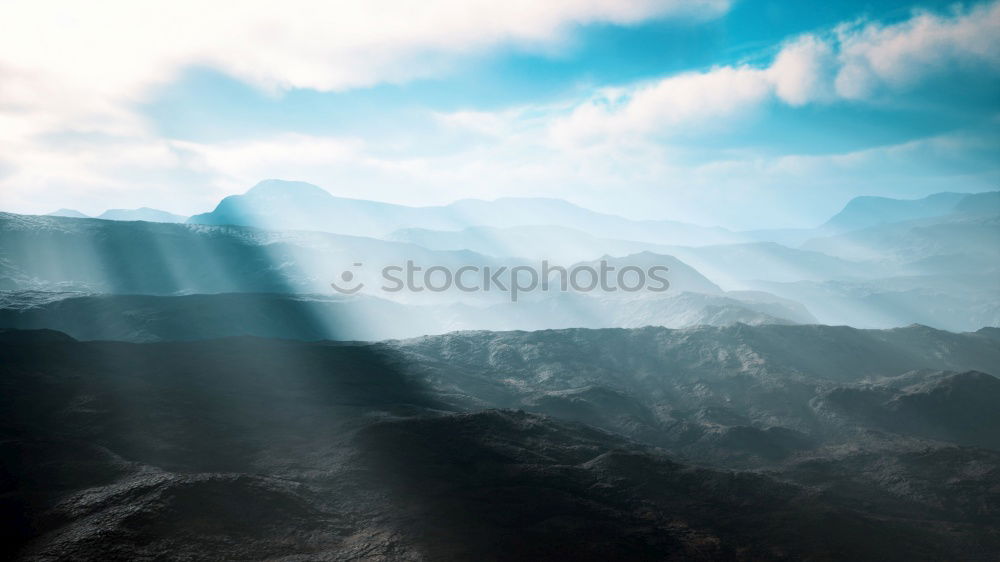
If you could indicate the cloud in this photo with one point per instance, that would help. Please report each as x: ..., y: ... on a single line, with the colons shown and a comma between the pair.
x: 852, y: 63
x: 69, y: 136
x: 874, y: 56
x: 289, y: 156
x: 83, y: 67
x: 672, y: 102
x: 72, y: 55
x: 800, y: 72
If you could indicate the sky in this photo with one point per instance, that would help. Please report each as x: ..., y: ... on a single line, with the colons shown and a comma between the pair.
x: 742, y: 113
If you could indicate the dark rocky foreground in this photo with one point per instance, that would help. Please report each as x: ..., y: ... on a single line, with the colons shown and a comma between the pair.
x: 773, y: 442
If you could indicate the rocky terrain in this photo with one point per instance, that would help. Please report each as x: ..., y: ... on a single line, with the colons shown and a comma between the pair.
x: 141, y: 318
x: 768, y: 442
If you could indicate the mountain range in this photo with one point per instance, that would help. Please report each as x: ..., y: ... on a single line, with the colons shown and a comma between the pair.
x: 89, y: 265
x: 292, y: 205
x: 141, y: 214
x: 283, y: 205
x: 200, y: 390
x: 939, y: 268
x: 706, y: 443
x: 867, y: 211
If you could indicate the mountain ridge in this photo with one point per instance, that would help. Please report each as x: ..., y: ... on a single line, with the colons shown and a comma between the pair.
x: 141, y: 214
x: 869, y: 211
x: 629, y: 444
x: 273, y: 204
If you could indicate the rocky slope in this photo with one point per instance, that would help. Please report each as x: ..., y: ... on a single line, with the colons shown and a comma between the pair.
x: 610, y: 444
x: 315, y: 317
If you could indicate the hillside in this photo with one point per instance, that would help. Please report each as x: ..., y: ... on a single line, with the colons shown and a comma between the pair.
x: 340, y: 450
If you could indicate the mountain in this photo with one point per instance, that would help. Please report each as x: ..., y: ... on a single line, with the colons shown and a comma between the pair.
x: 99, y: 256
x: 141, y: 214
x: 728, y: 264
x: 32, y: 336
x: 940, y: 271
x: 954, y: 407
x: 405, y: 450
x: 979, y: 203
x: 284, y: 205
x: 748, y: 357
x: 70, y: 213
x: 94, y: 256
x: 683, y: 278
x: 868, y: 211
x: 733, y: 264
x: 960, y: 302
x: 942, y: 288
x: 871, y: 211
x: 736, y: 396
x: 142, y: 318
x: 959, y: 234
x: 733, y: 396
x: 556, y: 243
x: 100, y: 280
x: 509, y: 212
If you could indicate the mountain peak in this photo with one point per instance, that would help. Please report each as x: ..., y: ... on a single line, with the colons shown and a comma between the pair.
x: 870, y: 210
x: 72, y: 213
x: 147, y: 214
x: 283, y: 188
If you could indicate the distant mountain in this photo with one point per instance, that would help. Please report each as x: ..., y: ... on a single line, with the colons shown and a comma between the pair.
x: 732, y: 264
x: 287, y: 205
x: 727, y: 263
x: 942, y: 271
x: 141, y: 214
x: 70, y: 213
x: 146, y: 318
x: 979, y: 203
x: 868, y: 211
x: 683, y: 278
x: 93, y: 256
x: 153, y: 258
x: 959, y: 302
x: 143, y: 318
x: 100, y: 256
x: 284, y: 205
x: 46, y: 257
x: 557, y: 243
x: 954, y: 234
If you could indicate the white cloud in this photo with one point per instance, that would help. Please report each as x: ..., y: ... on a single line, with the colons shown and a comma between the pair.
x: 897, y: 56
x: 851, y: 63
x: 719, y: 93
x: 81, y: 67
x: 800, y: 72
x: 73, y: 54
x: 246, y: 162
x: 70, y: 69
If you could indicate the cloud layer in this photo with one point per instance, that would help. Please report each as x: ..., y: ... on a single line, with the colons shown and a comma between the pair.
x: 855, y: 61
x: 72, y: 77
x: 79, y: 68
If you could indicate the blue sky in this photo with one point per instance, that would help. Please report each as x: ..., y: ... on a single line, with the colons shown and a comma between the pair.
x: 745, y: 114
